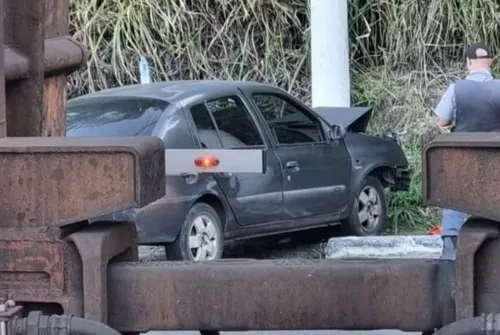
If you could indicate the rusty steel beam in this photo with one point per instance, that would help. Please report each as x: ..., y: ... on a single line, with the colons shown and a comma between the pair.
x: 37, y: 57
x: 62, y: 55
x: 56, y: 24
x: 460, y: 172
x: 52, y: 259
x: 97, y: 245
x: 54, y: 181
x: 24, y: 97
x: 279, y: 295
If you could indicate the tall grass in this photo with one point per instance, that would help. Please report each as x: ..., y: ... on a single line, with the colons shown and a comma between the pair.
x: 403, y: 54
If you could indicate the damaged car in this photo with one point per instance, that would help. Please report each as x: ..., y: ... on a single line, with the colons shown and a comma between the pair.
x: 320, y: 167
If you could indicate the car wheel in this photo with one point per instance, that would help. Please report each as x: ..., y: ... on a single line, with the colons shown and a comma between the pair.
x: 200, y: 238
x: 369, y: 211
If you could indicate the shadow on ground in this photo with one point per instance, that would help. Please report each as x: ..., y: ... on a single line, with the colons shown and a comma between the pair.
x: 305, y: 244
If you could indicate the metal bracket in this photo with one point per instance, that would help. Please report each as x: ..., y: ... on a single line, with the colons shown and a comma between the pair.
x: 98, y: 245
x: 9, y: 313
x: 473, y: 235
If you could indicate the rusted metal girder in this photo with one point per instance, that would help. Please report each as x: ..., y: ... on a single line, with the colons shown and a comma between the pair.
x: 51, y: 259
x: 411, y: 295
x: 460, y: 171
x: 57, y: 181
x: 56, y: 26
x: 62, y: 54
x: 37, y: 57
x: 414, y: 295
x: 278, y: 295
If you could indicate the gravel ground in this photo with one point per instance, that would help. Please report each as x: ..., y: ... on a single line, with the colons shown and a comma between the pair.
x: 309, y: 244
x: 261, y: 250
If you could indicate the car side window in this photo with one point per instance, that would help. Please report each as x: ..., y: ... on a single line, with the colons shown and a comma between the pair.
x: 225, y: 123
x: 205, y: 126
x: 288, y: 123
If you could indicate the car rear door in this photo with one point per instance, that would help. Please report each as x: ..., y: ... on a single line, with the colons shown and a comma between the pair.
x: 223, y: 122
x: 317, y: 172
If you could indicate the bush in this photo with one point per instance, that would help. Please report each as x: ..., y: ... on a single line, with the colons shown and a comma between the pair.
x: 403, y: 54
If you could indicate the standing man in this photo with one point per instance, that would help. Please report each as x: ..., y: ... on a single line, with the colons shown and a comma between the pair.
x: 469, y: 105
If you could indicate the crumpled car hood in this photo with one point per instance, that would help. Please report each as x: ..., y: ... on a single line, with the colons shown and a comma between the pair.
x: 354, y: 119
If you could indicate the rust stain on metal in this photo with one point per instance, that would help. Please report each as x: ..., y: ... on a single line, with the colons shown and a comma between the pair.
x: 64, y: 186
x: 461, y: 172
x: 56, y: 181
x: 36, y: 268
x: 56, y: 24
x: 54, y: 105
x: 275, y: 295
x: 31, y: 263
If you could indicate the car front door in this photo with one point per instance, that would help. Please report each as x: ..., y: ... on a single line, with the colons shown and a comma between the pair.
x: 225, y: 123
x: 317, y: 171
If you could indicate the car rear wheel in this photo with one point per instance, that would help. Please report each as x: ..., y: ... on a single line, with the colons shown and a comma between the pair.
x: 369, y: 213
x: 200, y: 238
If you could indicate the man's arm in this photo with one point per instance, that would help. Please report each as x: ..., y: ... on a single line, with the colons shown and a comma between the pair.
x: 446, y: 108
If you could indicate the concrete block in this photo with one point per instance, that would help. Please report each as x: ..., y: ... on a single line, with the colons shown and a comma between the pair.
x: 421, y: 246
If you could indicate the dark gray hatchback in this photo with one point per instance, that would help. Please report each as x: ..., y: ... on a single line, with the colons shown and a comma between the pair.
x: 317, y: 172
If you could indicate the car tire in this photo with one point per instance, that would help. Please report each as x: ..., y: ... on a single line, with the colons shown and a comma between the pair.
x: 201, y: 237
x: 369, y: 216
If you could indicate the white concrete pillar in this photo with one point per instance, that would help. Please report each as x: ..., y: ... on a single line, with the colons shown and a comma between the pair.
x: 330, y: 53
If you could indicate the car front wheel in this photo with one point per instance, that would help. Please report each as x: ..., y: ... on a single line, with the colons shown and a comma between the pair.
x: 200, y: 238
x: 369, y: 212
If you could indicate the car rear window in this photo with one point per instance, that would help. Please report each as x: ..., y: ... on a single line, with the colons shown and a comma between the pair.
x: 116, y: 116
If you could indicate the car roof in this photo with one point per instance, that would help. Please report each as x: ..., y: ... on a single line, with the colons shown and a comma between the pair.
x: 172, y: 91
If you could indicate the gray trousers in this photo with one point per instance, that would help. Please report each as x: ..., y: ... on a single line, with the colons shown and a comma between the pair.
x: 452, y: 221
x: 451, y: 224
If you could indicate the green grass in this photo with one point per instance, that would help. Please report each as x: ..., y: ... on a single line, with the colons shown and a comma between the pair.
x: 403, y: 102
x: 403, y: 54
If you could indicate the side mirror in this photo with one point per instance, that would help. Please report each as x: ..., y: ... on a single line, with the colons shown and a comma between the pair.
x: 337, y: 132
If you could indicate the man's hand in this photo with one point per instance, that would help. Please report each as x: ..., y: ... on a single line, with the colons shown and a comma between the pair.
x: 445, y: 130
x: 444, y: 122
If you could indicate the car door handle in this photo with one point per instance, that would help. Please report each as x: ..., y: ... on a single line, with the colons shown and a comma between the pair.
x: 292, y: 165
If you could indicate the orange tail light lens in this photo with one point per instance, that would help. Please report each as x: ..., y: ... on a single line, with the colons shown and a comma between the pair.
x: 206, y: 162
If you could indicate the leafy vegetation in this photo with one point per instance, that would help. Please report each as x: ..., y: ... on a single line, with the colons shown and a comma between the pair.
x: 403, y: 53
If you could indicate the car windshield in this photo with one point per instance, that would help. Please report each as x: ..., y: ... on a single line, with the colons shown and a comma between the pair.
x: 116, y: 116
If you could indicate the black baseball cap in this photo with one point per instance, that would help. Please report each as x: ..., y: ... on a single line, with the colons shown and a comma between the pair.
x: 478, y: 51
